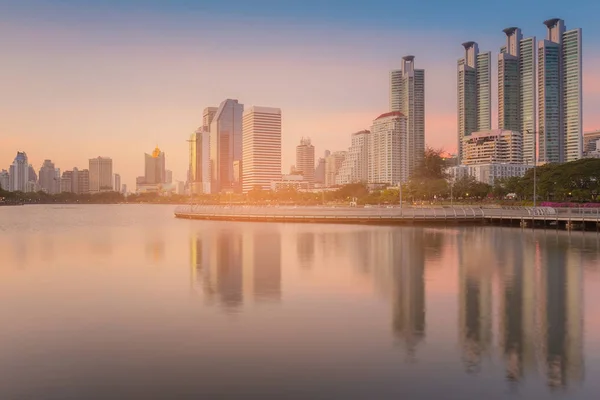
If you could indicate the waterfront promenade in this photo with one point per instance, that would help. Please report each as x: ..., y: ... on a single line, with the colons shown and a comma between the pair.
x: 543, y: 217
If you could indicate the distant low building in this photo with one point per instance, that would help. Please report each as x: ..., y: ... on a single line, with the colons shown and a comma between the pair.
x: 488, y: 173
x: 493, y: 146
x: 296, y: 182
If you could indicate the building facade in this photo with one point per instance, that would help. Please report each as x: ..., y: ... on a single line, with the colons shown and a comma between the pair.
x: 474, y: 93
x: 387, y: 149
x: 155, y: 172
x: 4, y: 180
x: 225, y: 144
x: 560, y: 98
x: 493, y: 146
x: 407, y: 95
x: 19, y: 179
x: 355, y: 167
x: 100, y: 175
x: 199, y: 168
x: 488, y: 173
x: 333, y: 164
x: 117, y: 185
x: 305, y: 160
x: 48, y: 180
x: 261, y: 163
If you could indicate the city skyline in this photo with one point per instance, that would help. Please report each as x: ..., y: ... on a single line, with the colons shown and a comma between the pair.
x: 325, y: 112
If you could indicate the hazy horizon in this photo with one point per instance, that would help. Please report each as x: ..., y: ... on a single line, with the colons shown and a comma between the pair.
x: 88, y: 79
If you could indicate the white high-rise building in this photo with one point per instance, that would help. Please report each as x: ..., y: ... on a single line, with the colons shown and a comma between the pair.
x: 19, y: 174
x: 100, y: 175
x: 261, y: 149
x: 387, y: 149
x: 474, y: 93
x: 355, y: 167
x: 407, y: 95
x: 4, y: 180
x: 560, y: 93
x: 225, y: 145
x: 305, y: 160
x: 517, y: 88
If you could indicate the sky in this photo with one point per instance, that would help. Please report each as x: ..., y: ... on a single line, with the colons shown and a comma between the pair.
x: 115, y: 78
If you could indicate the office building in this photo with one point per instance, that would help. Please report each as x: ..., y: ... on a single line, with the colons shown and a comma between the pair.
x: 4, y: 180
x: 407, y: 95
x: 560, y: 93
x: 387, y: 149
x: 355, y: 167
x: 333, y: 163
x: 225, y: 144
x: 305, y: 160
x: 117, y: 185
x: 493, y: 146
x: 199, y: 168
x: 474, y: 93
x: 124, y: 189
x: 100, y: 175
x: 261, y: 162
x: 155, y: 172
x: 47, y: 178
x: 168, y: 176
x: 19, y: 174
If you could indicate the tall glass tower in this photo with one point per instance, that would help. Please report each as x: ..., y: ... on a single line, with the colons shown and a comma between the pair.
x: 560, y: 93
x: 474, y: 93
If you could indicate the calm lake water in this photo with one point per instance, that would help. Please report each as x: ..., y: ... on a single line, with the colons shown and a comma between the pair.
x: 125, y: 301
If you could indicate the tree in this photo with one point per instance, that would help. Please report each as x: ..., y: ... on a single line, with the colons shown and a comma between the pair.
x: 432, y: 166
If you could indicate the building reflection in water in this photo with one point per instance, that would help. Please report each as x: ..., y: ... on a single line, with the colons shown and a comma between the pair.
x: 155, y: 247
x: 475, y: 300
x: 305, y: 249
x: 231, y: 268
x: 561, y: 311
x: 539, y: 303
x: 408, y: 277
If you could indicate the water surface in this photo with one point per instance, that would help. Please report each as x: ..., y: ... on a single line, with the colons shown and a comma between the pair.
x: 125, y: 301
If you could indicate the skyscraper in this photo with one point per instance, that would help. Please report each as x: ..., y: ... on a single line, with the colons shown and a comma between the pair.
x: 207, y: 116
x: 261, y: 163
x: 168, y: 176
x: 517, y: 88
x: 225, y: 144
x: 155, y: 167
x: 117, y: 186
x: 199, y: 175
x: 387, y: 149
x: 333, y: 163
x: 355, y: 167
x: 48, y: 181
x: 560, y: 93
x: 100, y: 175
x: 407, y: 95
x: 305, y: 160
x: 19, y: 174
x: 4, y: 180
x: 474, y: 93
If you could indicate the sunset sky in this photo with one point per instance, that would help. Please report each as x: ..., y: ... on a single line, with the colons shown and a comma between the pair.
x: 87, y: 78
